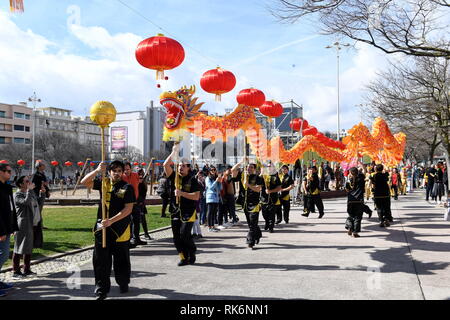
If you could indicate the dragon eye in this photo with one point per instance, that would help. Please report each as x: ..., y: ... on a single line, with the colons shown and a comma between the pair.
x: 180, y: 96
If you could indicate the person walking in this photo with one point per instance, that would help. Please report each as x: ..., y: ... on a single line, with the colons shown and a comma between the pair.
x: 355, y: 201
x: 269, y: 195
x: 382, y: 196
x: 120, y: 200
x: 8, y: 222
x: 184, y: 194
x: 213, y: 185
x: 132, y: 178
x: 202, y: 201
x: 28, y: 219
x: 314, y: 198
x: 287, y: 184
x: 250, y: 186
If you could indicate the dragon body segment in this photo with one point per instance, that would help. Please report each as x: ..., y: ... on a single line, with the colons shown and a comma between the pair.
x: 183, y: 114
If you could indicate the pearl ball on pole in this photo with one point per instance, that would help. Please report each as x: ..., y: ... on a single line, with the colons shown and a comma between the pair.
x: 103, y: 113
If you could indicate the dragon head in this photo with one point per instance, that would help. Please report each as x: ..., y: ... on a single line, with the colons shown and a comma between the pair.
x: 180, y: 106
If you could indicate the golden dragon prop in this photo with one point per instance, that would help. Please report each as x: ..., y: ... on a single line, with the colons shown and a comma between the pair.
x: 183, y: 114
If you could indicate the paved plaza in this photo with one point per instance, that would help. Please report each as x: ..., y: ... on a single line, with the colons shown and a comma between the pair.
x: 309, y: 258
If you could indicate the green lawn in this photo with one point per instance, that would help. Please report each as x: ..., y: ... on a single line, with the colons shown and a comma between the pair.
x: 70, y: 228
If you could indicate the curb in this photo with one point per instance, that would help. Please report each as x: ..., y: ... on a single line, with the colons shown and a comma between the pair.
x: 60, y: 255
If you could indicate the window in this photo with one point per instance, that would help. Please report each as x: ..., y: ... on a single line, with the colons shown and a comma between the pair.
x: 19, y: 115
x: 2, y: 114
x: 2, y: 140
x: 27, y: 141
x: 2, y: 127
x: 27, y: 129
x: 27, y: 116
x: 19, y: 140
x: 19, y: 128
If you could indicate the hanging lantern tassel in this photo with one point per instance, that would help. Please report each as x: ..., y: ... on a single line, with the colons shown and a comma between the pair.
x: 218, y: 97
x: 16, y: 5
x: 159, y: 74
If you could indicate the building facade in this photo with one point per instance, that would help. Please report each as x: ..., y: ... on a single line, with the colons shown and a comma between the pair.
x: 62, y: 121
x: 15, y: 124
x: 139, y: 129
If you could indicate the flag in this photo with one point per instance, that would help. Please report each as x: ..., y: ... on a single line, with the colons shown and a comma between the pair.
x: 16, y: 5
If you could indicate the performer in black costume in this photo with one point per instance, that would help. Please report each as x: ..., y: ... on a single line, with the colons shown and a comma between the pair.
x: 250, y: 185
x: 355, y: 188
x: 312, y: 188
x: 287, y: 184
x: 119, y: 203
x: 185, y: 187
x: 382, y: 196
x: 269, y: 195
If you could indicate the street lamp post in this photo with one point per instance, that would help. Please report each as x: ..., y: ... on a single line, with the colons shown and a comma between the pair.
x: 338, y: 46
x: 33, y: 99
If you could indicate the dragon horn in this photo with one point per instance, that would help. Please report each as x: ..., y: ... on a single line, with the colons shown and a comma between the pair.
x: 192, y: 89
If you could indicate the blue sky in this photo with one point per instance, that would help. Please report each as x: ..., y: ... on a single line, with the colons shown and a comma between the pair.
x: 72, y: 60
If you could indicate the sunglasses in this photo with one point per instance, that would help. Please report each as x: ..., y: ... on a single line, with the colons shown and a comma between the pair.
x: 9, y: 171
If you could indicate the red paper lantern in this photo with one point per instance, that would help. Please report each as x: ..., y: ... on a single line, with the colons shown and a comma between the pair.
x: 218, y: 81
x: 67, y: 163
x: 54, y: 163
x: 92, y: 164
x: 157, y: 164
x: 251, y: 97
x: 20, y: 162
x: 136, y: 163
x: 159, y: 53
x: 80, y: 163
x: 4, y: 161
x: 143, y: 164
x: 271, y: 109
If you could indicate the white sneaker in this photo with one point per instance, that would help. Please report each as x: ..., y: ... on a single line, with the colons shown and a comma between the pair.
x: 212, y: 230
x: 220, y: 227
x: 227, y: 225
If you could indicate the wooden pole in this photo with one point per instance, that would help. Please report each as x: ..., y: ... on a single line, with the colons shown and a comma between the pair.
x: 104, y: 191
x: 152, y: 175
x: 81, y: 175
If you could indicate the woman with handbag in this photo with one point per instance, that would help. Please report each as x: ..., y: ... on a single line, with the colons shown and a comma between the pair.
x: 28, y: 220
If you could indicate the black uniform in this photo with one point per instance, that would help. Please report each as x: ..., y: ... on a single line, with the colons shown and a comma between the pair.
x: 355, y: 202
x: 251, y: 206
x: 313, y: 195
x: 269, y: 202
x: 285, y: 199
x: 117, y: 237
x: 382, y: 196
x: 183, y: 216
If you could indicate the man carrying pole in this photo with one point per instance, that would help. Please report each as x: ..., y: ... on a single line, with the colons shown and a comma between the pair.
x: 184, y: 194
x: 120, y: 198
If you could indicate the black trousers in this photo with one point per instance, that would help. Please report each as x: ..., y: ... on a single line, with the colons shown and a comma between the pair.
x: 212, y: 209
x: 143, y: 212
x: 355, y: 213
x: 254, y: 233
x: 430, y: 187
x: 116, y: 254
x: 182, y: 237
x: 286, y: 205
x: 315, y: 200
x: 268, y: 212
x: 135, y: 223
x: 383, y: 206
